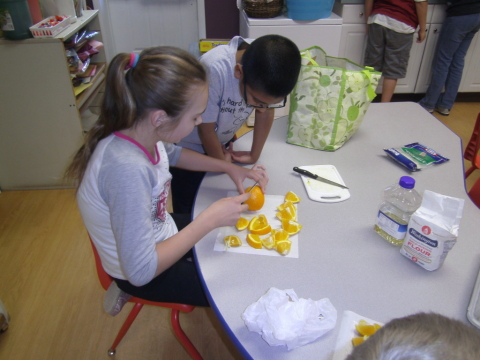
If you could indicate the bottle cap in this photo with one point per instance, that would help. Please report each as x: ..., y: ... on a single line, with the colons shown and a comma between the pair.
x: 407, y: 182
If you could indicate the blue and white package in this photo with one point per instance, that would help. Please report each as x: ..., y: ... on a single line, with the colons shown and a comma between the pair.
x: 415, y: 156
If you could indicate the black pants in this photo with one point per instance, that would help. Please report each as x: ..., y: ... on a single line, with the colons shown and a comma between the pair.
x: 185, y: 184
x: 178, y: 284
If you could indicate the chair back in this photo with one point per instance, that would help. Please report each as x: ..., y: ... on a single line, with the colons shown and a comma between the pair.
x: 104, y: 278
x: 474, y: 193
x: 473, y: 146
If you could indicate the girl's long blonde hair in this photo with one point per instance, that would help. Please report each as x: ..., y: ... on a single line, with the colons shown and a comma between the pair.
x: 161, y: 80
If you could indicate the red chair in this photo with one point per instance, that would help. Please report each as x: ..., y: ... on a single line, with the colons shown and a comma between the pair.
x: 106, y: 280
x: 473, y: 148
x: 474, y: 193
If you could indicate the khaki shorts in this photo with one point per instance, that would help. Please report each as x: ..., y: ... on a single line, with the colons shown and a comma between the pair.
x: 388, y: 51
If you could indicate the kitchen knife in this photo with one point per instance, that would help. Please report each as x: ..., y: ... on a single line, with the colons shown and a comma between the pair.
x: 319, y: 178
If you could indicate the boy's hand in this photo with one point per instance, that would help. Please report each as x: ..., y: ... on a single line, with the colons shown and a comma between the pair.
x: 243, y: 157
x: 422, y: 34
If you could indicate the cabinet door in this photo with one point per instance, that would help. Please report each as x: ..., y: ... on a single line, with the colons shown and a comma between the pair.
x: 471, y: 71
x: 353, y: 42
x: 425, y: 75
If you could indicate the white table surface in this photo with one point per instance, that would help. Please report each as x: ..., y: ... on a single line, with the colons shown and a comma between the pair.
x: 340, y: 255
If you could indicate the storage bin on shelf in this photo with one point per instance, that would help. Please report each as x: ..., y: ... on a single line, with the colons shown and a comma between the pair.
x: 263, y: 8
x: 47, y: 32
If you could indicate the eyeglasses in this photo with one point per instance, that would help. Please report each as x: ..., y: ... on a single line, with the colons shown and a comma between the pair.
x: 271, y: 106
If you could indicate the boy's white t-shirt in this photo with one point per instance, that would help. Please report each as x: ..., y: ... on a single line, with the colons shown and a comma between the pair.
x: 123, y: 202
x: 226, y: 106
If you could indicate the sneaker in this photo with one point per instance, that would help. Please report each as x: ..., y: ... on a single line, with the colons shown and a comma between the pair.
x: 428, y: 109
x: 442, y: 111
x: 114, y: 299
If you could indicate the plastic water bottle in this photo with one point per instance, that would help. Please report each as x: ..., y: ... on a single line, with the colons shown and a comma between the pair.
x: 400, y: 201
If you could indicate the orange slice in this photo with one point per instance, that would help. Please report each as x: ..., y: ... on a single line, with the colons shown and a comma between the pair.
x: 365, y: 329
x: 291, y: 226
x: 242, y: 224
x: 256, y: 200
x: 292, y: 197
x: 232, y: 241
x: 283, y: 247
x: 254, y: 241
x: 357, y: 341
x: 280, y: 235
x: 259, y: 225
x: 268, y: 242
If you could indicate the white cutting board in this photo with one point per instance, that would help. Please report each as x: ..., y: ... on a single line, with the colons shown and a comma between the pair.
x: 323, y: 192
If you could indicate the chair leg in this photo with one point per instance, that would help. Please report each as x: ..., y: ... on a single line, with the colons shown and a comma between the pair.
x: 182, y: 337
x: 469, y: 171
x: 126, y: 325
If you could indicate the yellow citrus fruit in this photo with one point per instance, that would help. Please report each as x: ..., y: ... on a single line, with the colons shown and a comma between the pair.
x: 291, y: 226
x: 292, y: 197
x: 357, y: 341
x: 283, y: 247
x: 287, y: 214
x: 365, y: 329
x: 377, y: 326
x: 259, y: 225
x: 268, y: 242
x: 256, y: 200
x: 242, y: 224
x: 289, y: 206
x: 280, y: 235
x: 232, y: 241
x: 254, y: 241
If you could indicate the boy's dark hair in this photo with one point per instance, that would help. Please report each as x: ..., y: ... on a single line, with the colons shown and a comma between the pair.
x: 271, y: 64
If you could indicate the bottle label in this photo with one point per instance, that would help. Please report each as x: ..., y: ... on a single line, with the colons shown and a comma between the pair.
x: 394, y: 227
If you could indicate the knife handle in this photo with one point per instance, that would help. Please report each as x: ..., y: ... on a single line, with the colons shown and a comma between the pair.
x: 304, y: 172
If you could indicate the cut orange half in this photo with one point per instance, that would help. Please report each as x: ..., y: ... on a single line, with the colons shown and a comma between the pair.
x: 242, y: 224
x: 232, y: 241
x: 254, y: 241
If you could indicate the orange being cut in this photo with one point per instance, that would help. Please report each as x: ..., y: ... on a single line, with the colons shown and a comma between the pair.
x: 259, y: 225
x: 242, y: 224
x: 254, y: 241
x: 291, y: 226
x: 292, y: 197
x: 256, y: 200
x: 232, y: 241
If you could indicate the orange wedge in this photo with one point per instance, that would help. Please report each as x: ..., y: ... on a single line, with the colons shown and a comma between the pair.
x: 291, y: 226
x: 268, y: 242
x: 254, y: 241
x: 365, y: 329
x: 292, y: 197
x: 259, y: 225
x: 232, y: 241
x: 242, y: 224
x: 280, y: 235
x: 283, y: 247
x: 357, y: 341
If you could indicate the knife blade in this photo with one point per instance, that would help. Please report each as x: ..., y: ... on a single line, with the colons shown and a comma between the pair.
x: 251, y: 188
x: 316, y: 177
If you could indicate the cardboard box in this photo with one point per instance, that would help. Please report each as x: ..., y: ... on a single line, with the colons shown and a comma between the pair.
x: 208, y: 44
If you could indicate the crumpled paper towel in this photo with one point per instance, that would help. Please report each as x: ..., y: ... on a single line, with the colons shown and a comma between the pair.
x: 284, y: 319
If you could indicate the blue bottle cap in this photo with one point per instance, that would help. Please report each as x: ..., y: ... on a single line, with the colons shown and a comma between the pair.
x: 407, y: 182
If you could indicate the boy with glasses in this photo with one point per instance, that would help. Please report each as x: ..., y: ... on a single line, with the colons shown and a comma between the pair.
x: 244, y: 76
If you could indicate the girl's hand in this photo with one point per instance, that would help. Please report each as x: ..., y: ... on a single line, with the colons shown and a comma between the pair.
x: 243, y: 157
x: 226, y: 211
x: 256, y: 173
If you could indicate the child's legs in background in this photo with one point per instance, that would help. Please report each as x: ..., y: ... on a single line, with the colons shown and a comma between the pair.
x: 388, y: 52
x: 185, y: 184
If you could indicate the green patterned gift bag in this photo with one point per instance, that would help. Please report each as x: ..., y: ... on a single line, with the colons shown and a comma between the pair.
x: 329, y: 101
